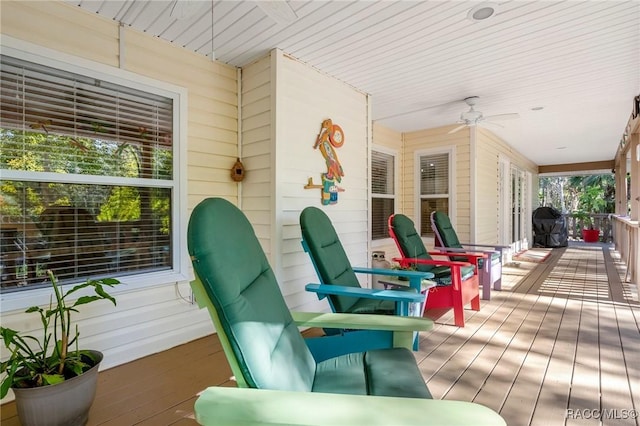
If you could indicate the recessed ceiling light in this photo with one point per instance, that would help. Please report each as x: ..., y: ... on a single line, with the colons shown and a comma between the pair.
x: 538, y: 108
x: 482, y: 12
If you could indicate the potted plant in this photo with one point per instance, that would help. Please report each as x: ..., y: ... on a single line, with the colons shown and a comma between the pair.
x: 589, y: 233
x: 52, y: 371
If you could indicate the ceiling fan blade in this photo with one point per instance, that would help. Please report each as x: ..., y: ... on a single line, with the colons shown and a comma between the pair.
x: 501, y: 117
x: 484, y: 123
x: 420, y: 109
x: 456, y: 129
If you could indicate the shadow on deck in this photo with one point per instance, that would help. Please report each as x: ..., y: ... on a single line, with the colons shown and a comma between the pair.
x: 558, y: 345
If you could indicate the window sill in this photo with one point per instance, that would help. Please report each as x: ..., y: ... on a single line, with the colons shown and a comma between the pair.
x: 21, y: 300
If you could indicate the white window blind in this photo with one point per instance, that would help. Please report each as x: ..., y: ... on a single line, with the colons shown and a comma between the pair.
x: 434, y: 188
x: 382, y: 193
x: 88, y: 177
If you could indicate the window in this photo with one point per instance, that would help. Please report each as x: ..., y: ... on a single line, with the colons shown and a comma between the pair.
x: 434, y: 184
x: 382, y: 193
x: 88, y: 177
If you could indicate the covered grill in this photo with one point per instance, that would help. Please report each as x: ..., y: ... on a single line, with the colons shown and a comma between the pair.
x: 549, y: 228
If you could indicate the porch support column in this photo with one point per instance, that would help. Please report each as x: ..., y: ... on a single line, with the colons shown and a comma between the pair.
x: 621, y: 184
x: 635, y: 175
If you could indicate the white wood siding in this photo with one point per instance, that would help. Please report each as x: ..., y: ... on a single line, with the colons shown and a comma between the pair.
x: 488, y: 149
x: 156, y: 318
x: 389, y: 138
x: 257, y: 150
x: 306, y: 97
x: 432, y: 139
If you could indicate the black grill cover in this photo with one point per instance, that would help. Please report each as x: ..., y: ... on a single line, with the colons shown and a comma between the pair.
x: 549, y: 228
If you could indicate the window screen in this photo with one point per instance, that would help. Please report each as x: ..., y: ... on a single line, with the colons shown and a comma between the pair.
x: 434, y: 188
x: 382, y: 193
x: 88, y: 177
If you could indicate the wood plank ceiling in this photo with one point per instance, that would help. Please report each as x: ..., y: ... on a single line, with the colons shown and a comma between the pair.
x: 578, y: 60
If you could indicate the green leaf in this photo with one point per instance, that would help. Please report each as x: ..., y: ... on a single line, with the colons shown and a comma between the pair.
x: 105, y: 295
x: 52, y: 379
x: 6, y: 385
x: 83, y: 300
x: 8, y: 335
x: 8, y: 380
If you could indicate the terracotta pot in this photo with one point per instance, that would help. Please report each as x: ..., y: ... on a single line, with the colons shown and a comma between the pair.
x: 63, y: 404
x: 590, y: 235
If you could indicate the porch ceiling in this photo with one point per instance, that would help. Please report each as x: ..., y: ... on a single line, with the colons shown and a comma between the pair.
x: 419, y: 60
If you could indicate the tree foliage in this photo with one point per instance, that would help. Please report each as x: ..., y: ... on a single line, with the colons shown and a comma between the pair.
x: 593, y: 193
x: 42, y: 151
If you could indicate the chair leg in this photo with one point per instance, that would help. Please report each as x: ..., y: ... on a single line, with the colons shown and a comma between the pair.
x: 486, y: 284
x: 497, y: 274
x: 458, y: 309
x: 475, y: 303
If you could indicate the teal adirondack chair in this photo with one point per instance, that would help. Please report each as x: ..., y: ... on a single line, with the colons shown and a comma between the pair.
x: 446, y: 239
x: 280, y: 381
x: 339, y: 283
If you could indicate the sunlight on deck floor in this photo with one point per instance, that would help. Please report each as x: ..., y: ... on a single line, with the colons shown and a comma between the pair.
x: 558, y: 345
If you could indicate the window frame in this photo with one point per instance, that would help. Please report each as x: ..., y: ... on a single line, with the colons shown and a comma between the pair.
x: 396, y: 173
x: 418, y: 197
x: 66, y: 62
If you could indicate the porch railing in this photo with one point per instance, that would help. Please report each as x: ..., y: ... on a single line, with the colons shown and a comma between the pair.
x: 600, y: 221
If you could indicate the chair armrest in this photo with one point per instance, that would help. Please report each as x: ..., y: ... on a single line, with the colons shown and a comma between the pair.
x: 393, y: 272
x: 415, y: 277
x: 324, y: 290
x: 227, y: 405
x: 361, y: 321
x: 472, y: 257
x: 410, y: 260
x: 494, y: 247
x: 457, y: 250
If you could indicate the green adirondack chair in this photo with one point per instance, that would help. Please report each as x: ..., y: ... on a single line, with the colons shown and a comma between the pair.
x: 280, y: 381
x: 458, y: 282
x: 446, y: 239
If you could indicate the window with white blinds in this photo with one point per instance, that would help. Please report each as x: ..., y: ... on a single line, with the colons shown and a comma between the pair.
x: 382, y: 193
x: 88, y: 178
x: 434, y: 188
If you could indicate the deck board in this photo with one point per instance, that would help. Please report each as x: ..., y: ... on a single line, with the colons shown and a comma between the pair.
x: 562, y: 334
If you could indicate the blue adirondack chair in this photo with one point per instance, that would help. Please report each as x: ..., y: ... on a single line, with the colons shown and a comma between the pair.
x: 338, y: 279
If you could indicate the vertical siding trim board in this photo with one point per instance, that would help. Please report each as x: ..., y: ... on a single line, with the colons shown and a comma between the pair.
x: 277, y: 136
x: 369, y: 180
x: 473, y: 189
x: 239, y: 129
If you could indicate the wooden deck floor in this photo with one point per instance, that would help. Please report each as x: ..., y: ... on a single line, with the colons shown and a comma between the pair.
x: 559, y: 345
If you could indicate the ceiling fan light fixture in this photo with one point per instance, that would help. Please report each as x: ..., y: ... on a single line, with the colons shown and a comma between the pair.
x: 482, y: 12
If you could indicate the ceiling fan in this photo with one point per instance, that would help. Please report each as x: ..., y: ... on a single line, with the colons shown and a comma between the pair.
x: 472, y: 117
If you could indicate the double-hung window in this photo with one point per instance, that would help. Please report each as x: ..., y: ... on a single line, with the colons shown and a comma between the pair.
x: 434, y: 184
x: 383, y: 192
x: 89, y: 177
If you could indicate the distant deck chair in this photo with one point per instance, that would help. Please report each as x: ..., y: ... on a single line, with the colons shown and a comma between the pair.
x: 447, y: 238
x: 334, y: 270
x: 284, y: 381
x: 457, y: 282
